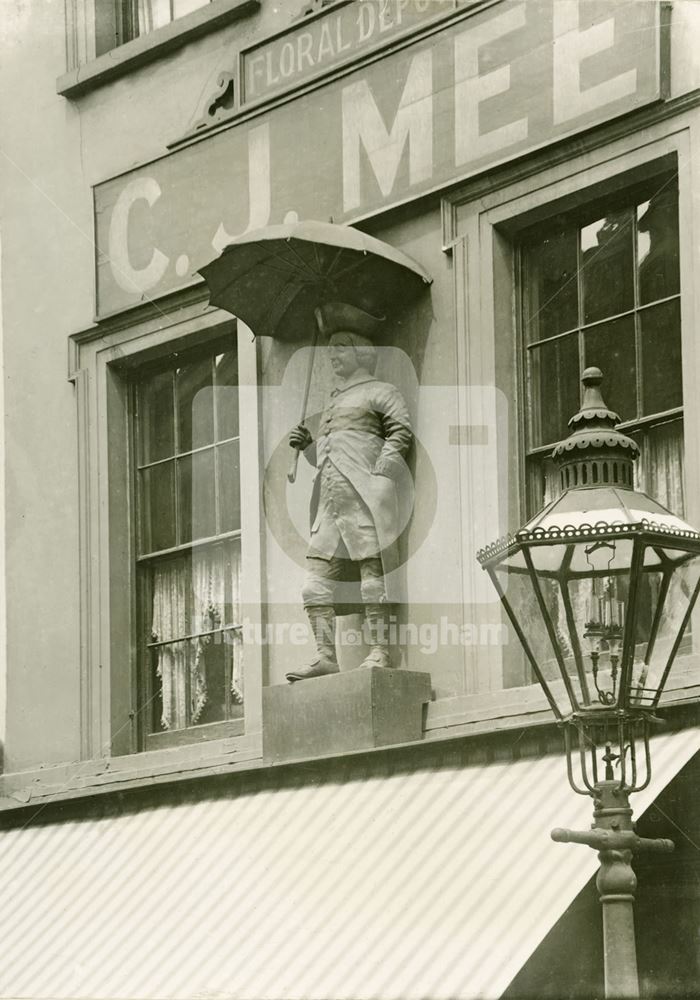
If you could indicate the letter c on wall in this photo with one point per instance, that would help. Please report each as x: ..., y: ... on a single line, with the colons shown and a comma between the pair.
x: 131, y: 279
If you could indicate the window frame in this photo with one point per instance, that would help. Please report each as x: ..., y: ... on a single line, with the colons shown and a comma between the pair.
x: 102, y: 365
x: 149, y: 738
x: 124, y: 22
x: 85, y: 70
x: 481, y: 226
x: 642, y: 422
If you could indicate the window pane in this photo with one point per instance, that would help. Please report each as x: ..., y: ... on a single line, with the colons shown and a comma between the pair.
x: 156, y: 687
x: 155, y: 418
x: 229, y: 486
x: 606, y: 259
x: 223, y: 699
x: 182, y: 7
x: 195, y: 405
x: 152, y: 14
x: 196, y: 495
x: 661, y: 357
x: 198, y: 679
x: 213, y: 658
x: 542, y: 482
x: 157, y: 507
x: 554, y: 389
x: 664, y: 462
x: 106, y: 31
x: 657, y: 245
x: 232, y: 573
x: 659, y: 469
x: 226, y: 375
x: 610, y: 347
x: 551, y: 297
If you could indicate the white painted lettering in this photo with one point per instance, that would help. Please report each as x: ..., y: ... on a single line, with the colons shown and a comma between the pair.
x: 401, y: 6
x: 272, y: 78
x: 385, y: 21
x: 287, y: 59
x: 304, y: 43
x: 471, y: 89
x: 131, y: 279
x: 363, y: 126
x: 571, y: 48
x: 325, y: 44
x: 256, y: 66
x: 258, y: 185
x: 339, y: 36
x: 365, y: 21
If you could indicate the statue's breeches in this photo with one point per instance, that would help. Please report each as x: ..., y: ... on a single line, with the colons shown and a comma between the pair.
x: 324, y: 576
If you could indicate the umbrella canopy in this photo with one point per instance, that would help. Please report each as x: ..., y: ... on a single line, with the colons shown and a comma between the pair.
x: 274, y: 278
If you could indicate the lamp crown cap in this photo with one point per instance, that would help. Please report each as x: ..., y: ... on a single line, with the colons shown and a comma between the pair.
x: 595, y: 438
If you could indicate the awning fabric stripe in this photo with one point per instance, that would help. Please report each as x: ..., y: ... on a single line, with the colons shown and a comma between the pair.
x: 438, y: 883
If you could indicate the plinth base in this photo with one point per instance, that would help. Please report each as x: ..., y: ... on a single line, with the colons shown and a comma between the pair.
x: 355, y: 710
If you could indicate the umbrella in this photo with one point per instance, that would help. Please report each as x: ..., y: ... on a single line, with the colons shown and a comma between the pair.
x: 274, y: 279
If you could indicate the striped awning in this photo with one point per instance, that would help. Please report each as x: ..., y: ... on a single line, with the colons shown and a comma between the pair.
x: 437, y: 883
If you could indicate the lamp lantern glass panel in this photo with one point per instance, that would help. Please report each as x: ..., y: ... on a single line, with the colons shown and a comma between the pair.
x: 601, y: 612
x: 600, y: 584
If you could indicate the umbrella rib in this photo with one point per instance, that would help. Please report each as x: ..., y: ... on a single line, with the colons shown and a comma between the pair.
x: 289, y: 270
x: 319, y: 266
x: 267, y: 260
x: 331, y: 266
x: 316, y: 276
x: 239, y: 275
x: 349, y: 269
x: 281, y: 303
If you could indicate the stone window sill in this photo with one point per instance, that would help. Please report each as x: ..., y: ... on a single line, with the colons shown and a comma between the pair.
x: 467, y: 716
x: 140, y: 51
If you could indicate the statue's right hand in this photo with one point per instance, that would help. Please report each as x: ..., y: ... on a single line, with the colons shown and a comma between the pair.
x: 300, y: 438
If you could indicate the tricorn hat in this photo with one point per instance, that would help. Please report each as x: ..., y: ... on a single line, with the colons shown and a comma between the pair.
x: 341, y: 317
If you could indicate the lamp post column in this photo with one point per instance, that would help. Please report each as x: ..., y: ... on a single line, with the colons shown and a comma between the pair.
x: 616, y: 883
x: 613, y: 836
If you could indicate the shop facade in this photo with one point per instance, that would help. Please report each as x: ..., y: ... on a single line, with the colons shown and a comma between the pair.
x: 538, y: 160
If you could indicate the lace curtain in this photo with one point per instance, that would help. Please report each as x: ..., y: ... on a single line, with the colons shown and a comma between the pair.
x: 659, y: 470
x: 190, y: 596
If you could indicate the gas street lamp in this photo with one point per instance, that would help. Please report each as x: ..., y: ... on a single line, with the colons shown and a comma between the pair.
x: 599, y: 587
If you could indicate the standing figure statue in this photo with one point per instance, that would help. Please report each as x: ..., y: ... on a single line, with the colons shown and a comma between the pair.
x: 361, y: 479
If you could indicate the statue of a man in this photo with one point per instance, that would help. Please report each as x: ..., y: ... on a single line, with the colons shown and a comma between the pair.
x: 359, y: 456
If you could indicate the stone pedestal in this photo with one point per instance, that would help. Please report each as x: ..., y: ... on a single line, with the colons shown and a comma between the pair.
x: 356, y: 710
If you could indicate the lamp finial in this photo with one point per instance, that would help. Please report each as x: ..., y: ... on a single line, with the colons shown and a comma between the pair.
x: 596, y: 453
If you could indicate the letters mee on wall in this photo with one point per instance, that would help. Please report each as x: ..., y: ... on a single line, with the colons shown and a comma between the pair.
x: 484, y: 89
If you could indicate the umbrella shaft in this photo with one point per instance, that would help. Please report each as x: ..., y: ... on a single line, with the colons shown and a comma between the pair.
x: 292, y: 474
x: 309, y: 373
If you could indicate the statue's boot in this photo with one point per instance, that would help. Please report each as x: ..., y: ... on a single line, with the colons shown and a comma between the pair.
x: 322, y: 620
x: 377, y: 617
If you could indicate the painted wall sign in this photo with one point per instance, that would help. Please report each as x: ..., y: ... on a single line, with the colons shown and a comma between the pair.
x: 339, y: 35
x: 482, y: 90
